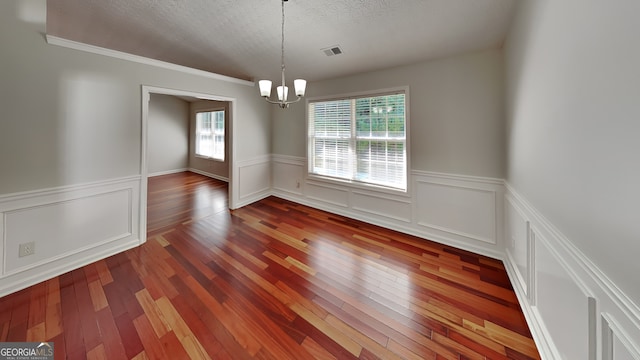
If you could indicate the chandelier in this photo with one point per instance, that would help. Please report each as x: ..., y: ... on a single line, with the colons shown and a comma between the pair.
x: 282, y: 90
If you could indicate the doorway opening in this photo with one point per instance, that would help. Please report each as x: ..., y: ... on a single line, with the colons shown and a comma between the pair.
x: 147, y: 91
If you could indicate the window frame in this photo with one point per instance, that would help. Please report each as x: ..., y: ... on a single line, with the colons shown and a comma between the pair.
x: 195, y: 143
x: 311, y: 176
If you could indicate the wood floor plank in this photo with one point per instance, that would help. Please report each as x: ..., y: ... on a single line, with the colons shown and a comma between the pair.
x: 130, y: 339
x: 111, y: 339
x: 97, y: 353
x: 151, y: 342
x: 191, y: 345
x: 153, y: 314
x: 271, y: 280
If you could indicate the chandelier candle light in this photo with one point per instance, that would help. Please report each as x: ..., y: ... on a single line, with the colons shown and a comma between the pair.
x: 283, y: 91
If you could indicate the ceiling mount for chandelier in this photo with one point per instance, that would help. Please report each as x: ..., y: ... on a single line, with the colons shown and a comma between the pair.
x: 282, y: 90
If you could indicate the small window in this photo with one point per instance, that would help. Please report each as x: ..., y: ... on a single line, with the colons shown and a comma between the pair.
x: 210, y: 134
x: 360, y: 139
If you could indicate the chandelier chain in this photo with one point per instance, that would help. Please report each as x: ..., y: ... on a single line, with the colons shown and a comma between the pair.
x: 282, y: 44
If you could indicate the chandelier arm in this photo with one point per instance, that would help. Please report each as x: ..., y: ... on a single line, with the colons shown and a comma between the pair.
x: 298, y: 98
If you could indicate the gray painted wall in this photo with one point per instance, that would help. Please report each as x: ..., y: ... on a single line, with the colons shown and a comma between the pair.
x: 456, y: 113
x: 168, y: 134
x: 573, y: 99
x: 86, y: 123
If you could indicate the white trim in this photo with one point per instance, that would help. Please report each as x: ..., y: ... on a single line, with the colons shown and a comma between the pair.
x: 167, y: 172
x: 407, y: 140
x: 208, y: 174
x: 4, y: 198
x: 632, y: 309
x: 531, y: 262
x: 288, y: 159
x: 459, y: 177
x: 361, y: 94
x: 525, y: 280
x: 611, y: 328
x: 54, y: 40
x: 592, y: 309
x: 263, y: 159
x: 539, y: 333
x: 233, y: 182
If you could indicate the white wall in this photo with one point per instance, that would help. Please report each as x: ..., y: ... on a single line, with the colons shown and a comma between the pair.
x: 71, y: 147
x: 573, y: 110
x: 168, y: 134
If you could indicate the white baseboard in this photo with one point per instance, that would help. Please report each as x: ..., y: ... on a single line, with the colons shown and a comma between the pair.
x: 208, y: 174
x: 69, y: 226
x: 168, y: 172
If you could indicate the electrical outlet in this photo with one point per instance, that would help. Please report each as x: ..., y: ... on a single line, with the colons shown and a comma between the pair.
x: 27, y: 249
x: 298, y: 183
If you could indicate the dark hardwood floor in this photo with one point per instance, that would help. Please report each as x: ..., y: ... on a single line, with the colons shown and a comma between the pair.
x: 272, y: 280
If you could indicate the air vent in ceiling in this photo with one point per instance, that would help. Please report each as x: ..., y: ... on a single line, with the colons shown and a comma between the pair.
x: 333, y: 50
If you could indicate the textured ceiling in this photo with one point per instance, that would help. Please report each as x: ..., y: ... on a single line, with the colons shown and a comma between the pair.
x: 241, y: 38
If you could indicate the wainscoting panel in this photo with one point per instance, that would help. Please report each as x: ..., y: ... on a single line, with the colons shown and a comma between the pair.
x: 324, y: 193
x: 616, y: 344
x: 287, y: 175
x: 456, y: 210
x: 518, y: 243
x: 398, y: 209
x: 254, y: 180
x: 620, y: 351
x: 562, y: 303
x: 63, y: 227
x: 459, y: 210
x: 571, y: 304
x: 67, y: 227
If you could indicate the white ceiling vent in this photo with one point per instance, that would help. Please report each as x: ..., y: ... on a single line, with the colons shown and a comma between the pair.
x: 333, y: 50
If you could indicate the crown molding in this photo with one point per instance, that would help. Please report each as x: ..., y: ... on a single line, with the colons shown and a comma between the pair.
x: 54, y: 40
